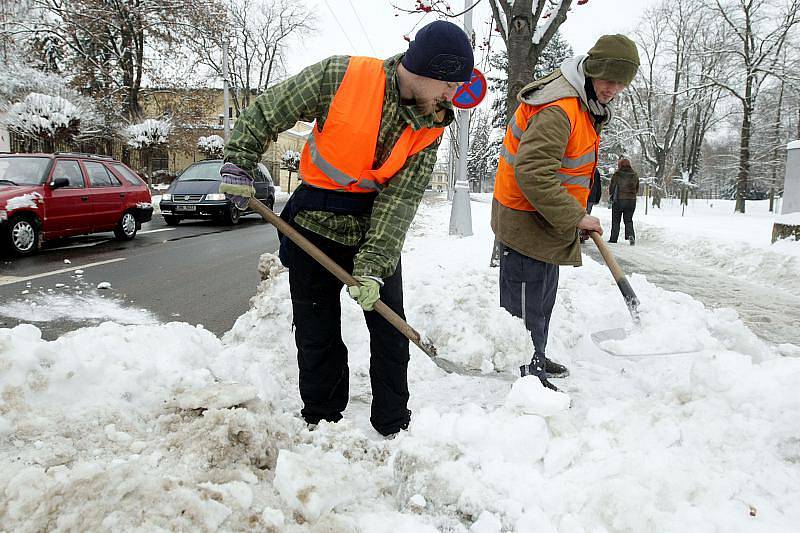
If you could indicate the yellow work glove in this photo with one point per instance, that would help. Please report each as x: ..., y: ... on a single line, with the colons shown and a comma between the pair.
x: 367, y: 293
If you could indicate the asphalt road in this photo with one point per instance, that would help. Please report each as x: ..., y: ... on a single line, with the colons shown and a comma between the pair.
x: 198, y: 272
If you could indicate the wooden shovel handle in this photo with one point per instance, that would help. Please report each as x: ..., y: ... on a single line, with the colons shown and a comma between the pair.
x: 631, y: 300
x: 608, y: 257
x: 341, y: 274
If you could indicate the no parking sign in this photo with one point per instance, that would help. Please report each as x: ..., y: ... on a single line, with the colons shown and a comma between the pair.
x: 472, y: 92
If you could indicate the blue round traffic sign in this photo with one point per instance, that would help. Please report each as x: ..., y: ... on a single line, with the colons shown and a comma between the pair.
x: 472, y: 92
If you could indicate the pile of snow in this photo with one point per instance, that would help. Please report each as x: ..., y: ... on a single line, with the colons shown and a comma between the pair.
x: 49, y: 307
x: 158, y: 426
x: 149, y: 133
x: 708, y: 232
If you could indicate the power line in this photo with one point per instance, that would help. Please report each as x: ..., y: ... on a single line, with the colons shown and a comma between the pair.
x: 355, y: 50
x: 362, y: 27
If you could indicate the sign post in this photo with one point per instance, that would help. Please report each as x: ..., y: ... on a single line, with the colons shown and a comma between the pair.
x: 469, y: 95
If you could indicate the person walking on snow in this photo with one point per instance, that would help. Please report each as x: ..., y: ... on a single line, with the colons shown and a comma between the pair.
x: 364, y: 170
x: 543, y: 178
x: 622, y: 191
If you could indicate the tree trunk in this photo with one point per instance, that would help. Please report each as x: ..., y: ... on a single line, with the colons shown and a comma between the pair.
x: 744, y: 161
x: 777, y: 135
x: 520, y: 69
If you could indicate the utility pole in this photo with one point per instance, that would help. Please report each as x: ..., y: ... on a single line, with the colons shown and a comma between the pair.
x: 226, y: 124
x: 460, y: 213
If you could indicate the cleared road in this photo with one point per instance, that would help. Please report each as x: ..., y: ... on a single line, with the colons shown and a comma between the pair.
x: 198, y: 272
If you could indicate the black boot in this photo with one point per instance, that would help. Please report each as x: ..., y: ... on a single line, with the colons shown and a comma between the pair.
x: 632, y: 240
x: 532, y: 370
x: 555, y: 370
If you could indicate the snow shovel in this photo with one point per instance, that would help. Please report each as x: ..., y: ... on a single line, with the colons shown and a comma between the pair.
x: 631, y: 301
x: 382, y: 309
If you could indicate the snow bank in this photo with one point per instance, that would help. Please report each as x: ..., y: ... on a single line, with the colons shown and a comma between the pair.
x: 711, y: 235
x: 48, y: 307
x: 155, y: 427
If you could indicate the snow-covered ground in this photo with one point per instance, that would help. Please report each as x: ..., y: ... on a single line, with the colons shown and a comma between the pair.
x: 128, y: 427
x: 709, y: 233
x: 720, y: 258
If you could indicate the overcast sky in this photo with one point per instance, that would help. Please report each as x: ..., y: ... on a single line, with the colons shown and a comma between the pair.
x: 370, y: 27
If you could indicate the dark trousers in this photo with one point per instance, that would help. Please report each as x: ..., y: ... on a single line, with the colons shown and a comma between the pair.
x: 528, y: 290
x: 622, y: 209
x: 321, y: 354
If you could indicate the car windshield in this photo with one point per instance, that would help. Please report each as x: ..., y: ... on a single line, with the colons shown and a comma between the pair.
x: 23, y: 170
x: 202, y: 172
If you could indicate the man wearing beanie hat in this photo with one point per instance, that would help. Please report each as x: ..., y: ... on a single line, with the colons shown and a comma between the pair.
x: 364, y: 170
x: 543, y: 181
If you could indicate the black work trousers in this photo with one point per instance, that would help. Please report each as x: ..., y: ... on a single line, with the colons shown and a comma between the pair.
x: 528, y: 290
x: 321, y: 353
x: 622, y: 209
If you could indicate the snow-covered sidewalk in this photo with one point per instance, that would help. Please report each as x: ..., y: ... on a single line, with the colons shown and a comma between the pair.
x: 103, y: 429
x: 709, y: 233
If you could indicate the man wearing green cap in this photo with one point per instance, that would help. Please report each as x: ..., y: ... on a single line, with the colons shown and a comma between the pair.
x: 543, y: 180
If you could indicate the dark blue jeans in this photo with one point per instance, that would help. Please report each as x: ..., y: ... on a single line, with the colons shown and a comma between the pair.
x: 321, y: 354
x: 528, y: 290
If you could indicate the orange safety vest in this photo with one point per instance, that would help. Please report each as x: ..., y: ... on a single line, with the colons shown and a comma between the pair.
x: 340, y: 157
x: 577, y: 164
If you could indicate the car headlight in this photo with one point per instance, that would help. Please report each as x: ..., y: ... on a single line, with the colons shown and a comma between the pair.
x: 166, y: 197
x: 215, y: 197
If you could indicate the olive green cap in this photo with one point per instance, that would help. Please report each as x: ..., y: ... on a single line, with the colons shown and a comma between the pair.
x: 613, y: 58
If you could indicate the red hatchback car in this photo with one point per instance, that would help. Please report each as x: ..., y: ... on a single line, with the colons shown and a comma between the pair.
x: 45, y: 196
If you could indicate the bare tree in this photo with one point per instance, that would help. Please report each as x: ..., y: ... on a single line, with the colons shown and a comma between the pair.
x: 259, y: 32
x: 758, y: 31
x: 671, y: 105
x: 107, y: 41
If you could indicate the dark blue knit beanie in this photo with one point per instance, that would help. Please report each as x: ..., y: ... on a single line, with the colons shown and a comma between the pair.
x: 441, y: 51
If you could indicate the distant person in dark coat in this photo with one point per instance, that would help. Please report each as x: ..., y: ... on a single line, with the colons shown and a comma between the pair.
x: 622, y: 191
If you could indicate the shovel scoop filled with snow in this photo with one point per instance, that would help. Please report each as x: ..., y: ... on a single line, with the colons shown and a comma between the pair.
x: 640, y: 342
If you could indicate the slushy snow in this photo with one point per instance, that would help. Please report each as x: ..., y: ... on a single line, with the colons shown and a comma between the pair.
x: 165, y: 427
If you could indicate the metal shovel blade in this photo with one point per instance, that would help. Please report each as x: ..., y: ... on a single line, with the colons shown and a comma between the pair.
x: 601, y: 338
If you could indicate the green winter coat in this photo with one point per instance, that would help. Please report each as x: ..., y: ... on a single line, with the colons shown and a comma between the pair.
x: 550, y: 233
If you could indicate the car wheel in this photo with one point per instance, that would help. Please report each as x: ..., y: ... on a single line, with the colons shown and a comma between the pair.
x: 271, y: 203
x: 126, y: 227
x: 23, y: 235
x: 232, y: 216
x: 171, y: 220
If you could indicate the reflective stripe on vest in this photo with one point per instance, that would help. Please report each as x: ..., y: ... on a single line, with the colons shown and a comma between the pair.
x: 342, y: 179
x: 341, y: 155
x: 577, y: 164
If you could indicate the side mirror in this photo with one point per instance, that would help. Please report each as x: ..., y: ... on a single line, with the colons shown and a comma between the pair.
x: 58, y: 183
